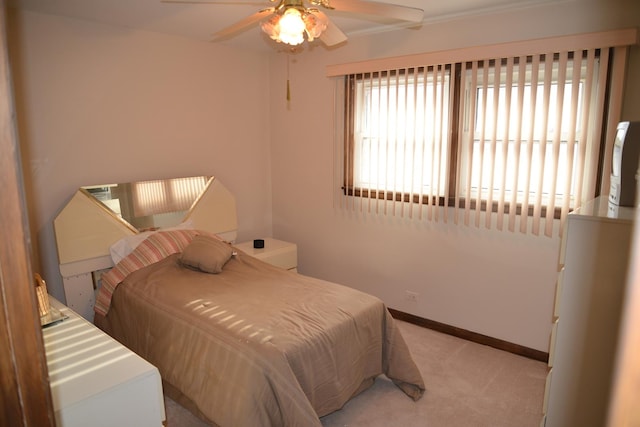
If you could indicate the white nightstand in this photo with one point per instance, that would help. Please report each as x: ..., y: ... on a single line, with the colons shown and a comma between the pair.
x: 95, y: 380
x: 275, y: 252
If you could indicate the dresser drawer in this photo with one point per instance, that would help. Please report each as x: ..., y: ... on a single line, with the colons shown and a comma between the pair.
x: 559, y: 286
x: 547, y: 388
x: 552, y: 342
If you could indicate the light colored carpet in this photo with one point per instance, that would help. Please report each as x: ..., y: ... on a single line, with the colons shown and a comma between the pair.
x: 468, y: 385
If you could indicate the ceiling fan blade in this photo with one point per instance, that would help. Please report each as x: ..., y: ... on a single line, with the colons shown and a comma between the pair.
x: 332, y: 35
x: 242, y: 24
x: 394, y: 11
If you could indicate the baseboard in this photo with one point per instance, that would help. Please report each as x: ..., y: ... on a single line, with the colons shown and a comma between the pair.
x: 471, y: 336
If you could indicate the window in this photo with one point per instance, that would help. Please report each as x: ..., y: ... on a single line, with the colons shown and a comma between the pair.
x: 526, y: 125
x: 511, y: 140
x: 388, y: 161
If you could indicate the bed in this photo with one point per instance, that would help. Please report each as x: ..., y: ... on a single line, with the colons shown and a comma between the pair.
x: 243, y: 343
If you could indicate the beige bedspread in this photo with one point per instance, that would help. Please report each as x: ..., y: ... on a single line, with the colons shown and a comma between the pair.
x: 257, y: 345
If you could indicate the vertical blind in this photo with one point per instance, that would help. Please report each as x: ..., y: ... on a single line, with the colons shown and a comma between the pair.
x: 529, y: 148
x: 511, y: 142
x: 398, y: 148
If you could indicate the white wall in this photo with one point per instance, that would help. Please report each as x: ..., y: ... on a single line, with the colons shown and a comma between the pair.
x: 491, y: 282
x: 99, y: 104
x: 102, y: 104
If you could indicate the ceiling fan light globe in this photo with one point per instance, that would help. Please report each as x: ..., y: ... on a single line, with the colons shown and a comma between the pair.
x: 292, y: 39
x: 271, y: 28
x: 313, y: 26
x: 291, y: 27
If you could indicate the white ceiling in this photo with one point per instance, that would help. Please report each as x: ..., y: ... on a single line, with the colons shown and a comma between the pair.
x: 199, y: 21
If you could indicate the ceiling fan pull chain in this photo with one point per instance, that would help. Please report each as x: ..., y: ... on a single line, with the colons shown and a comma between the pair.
x: 288, y: 89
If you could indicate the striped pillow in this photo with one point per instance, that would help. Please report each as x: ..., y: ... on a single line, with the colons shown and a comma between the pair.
x: 155, y: 248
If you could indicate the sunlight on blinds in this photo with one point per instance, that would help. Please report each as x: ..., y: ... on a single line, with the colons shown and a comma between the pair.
x: 401, y: 133
x: 531, y: 135
x: 510, y: 142
x: 164, y: 196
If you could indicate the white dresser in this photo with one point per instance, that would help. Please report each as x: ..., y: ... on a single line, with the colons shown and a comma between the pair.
x: 96, y: 381
x: 590, y: 290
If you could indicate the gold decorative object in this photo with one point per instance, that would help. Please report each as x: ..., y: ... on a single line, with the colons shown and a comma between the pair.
x: 43, y: 297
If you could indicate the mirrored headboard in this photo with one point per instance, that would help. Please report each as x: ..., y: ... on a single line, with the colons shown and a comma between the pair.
x: 99, y: 215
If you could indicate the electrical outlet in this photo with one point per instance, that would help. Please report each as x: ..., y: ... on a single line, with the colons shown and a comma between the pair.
x: 411, y: 296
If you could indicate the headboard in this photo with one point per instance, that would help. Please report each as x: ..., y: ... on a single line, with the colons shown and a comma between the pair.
x: 85, y: 229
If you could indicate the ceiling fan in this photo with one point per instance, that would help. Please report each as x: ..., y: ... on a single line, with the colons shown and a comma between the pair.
x: 289, y: 21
